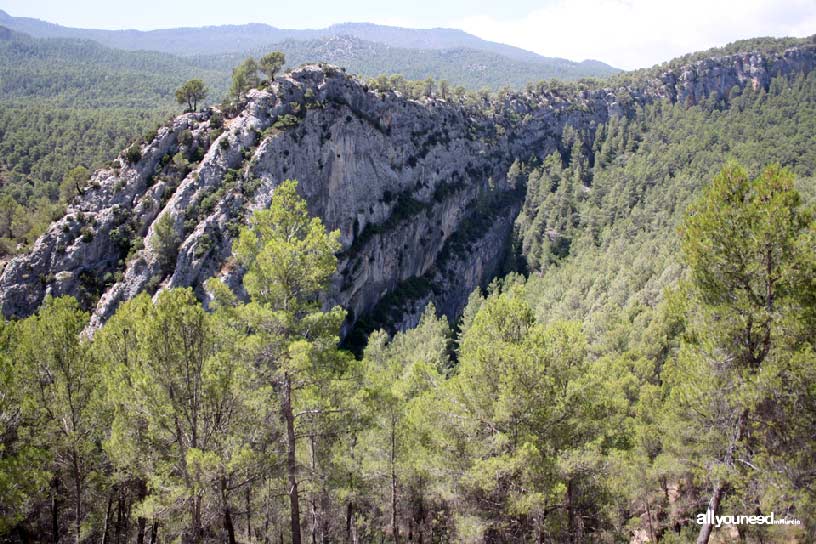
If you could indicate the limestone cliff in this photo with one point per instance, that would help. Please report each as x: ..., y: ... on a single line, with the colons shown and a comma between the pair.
x: 418, y: 189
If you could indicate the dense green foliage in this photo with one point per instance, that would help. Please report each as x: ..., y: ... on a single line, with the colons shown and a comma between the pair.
x: 462, y: 66
x: 244, y: 77
x: 599, y: 230
x: 80, y: 73
x: 69, y: 103
x: 191, y: 93
x: 271, y: 63
x: 41, y: 143
x: 247, y: 423
x: 619, y: 220
x: 656, y: 361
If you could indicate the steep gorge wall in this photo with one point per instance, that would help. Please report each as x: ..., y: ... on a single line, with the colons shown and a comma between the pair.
x: 417, y: 189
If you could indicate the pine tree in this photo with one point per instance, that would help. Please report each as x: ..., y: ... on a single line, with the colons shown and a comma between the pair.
x: 749, y: 293
x: 289, y: 259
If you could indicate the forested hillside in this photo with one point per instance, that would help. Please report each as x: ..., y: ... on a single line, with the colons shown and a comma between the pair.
x: 214, y: 40
x: 471, y: 68
x: 68, y: 102
x: 598, y: 229
x: 643, y: 352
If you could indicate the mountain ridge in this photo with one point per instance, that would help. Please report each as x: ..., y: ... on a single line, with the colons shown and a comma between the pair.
x: 413, y: 186
x: 216, y: 39
x: 462, y: 66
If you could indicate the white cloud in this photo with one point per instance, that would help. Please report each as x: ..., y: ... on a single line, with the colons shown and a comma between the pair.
x: 640, y: 33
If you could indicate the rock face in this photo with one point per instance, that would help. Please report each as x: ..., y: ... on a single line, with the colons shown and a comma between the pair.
x: 418, y: 189
x: 719, y: 75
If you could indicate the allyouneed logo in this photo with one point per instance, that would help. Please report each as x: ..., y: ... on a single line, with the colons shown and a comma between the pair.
x: 718, y: 521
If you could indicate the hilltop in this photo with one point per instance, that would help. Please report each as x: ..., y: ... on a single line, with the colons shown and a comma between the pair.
x: 421, y: 191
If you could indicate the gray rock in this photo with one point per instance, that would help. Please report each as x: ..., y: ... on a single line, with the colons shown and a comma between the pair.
x: 401, y: 180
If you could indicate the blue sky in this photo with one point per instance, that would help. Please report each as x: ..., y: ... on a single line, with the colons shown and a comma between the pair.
x: 625, y: 33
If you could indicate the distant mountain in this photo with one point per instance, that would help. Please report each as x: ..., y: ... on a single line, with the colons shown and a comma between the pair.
x: 434, y: 38
x: 66, y: 101
x: 69, y: 101
x: 83, y: 73
x: 237, y: 38
x: 471, y: 68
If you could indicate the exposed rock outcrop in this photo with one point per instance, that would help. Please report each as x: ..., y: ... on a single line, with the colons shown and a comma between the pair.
x: 417, y: 189
x: 717, y: 76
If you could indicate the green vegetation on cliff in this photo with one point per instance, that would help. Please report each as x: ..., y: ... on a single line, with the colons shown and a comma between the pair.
x: 656, y: 360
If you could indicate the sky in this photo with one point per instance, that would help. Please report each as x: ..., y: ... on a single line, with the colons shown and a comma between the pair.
x: 624, y: 33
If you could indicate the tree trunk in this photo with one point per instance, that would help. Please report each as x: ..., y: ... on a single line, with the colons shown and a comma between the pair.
x: 154, y: 532
x: 78, y: 493
x: 719, y: 489
x: 55, y: 510
x: 421, y: 515
x: 140, y: 530
x: 394, y: 525
x: 570, y: 514
x: 129, y: 505
x: 350, y: 537
x: 120, y: 516
x: 266, y: 516
x: 249, y: 511
x: 652, y: 533
x: 313, y: 501
x: 291, y: 459
x: 229, y: 529
x: 196, y: 519
x: 713, y: 505
x: 106, y: 524
x: 349, y: 520
x: 141, y: 521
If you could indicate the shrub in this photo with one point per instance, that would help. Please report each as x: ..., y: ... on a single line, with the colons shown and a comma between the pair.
x: 197, y: 154
x: 133, y: 154
x: 122, y: 237
x: 208, y: 203
x: 286, y: 121
x: 186, y: 137
x: 203, y: 246
x: 165, y: 242
x: 153, y: 283
x: 216, y: 120
x: 135, y: 248
x: 86, y: 234
x: 250, y: 186
x: 180, y: 164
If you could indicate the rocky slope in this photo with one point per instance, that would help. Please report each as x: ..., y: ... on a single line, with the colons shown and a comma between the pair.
x: 418, y: 189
